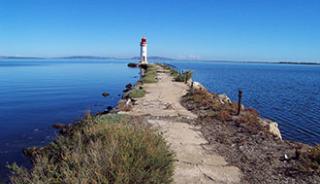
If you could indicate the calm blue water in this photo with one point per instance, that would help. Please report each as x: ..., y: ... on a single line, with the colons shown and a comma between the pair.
x: 36, y: 94
x: 288, y: 94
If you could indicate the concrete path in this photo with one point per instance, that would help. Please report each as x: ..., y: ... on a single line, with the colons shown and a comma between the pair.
x: 195, y: 164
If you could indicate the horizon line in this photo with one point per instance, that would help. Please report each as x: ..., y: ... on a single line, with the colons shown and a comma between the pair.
x: 159, y: 58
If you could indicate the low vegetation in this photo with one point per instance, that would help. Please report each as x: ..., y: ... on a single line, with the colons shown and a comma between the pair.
x: 311, y: 160
x: 246, y: 143
x: 315, y: 153
x: 173, y: 72
x: 106, y: 149
x: 178, y: 76
x: 137, y: 92
x: 183, y: 76
x: 212, y: 106
x: 150, y: 75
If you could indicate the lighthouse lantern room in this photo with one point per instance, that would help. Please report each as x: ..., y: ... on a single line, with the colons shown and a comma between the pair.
x: 143, y: 51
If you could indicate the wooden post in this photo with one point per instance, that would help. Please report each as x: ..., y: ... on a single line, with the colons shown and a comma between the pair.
x: 185, y: 74
x: 239, y: 102
x: 192, y: 90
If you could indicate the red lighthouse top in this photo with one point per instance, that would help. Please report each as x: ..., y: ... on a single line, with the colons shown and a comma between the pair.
x: 143, y: 41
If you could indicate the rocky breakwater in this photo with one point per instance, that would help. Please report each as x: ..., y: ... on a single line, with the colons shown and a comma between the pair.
x: 271, y: 126
x: 212, y: 142
x: 160, y: 107
x: 250, y: 142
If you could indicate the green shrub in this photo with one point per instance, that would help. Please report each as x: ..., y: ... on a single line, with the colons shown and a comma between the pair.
x: 178, y: 76
x: 174, y: 73
x: 204, y: 98
x: 150, y: 75
x: 107, y: 149
x: 184, y: 76
x: 137, y: 93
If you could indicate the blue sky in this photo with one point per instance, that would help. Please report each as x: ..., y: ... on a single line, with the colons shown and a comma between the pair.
x: 268, y: 30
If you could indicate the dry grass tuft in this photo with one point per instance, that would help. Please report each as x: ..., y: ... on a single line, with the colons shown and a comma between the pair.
x: 224, y: 116
x: 108, y: 149
x: 314, y: 153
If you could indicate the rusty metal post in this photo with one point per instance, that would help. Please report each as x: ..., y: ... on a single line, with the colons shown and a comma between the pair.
x: 185, y: 77
x: 239, y: 102
x: 192, y: 90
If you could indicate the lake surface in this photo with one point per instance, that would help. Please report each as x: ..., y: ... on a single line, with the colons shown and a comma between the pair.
x: 288, y: 94
x: 34, y: 94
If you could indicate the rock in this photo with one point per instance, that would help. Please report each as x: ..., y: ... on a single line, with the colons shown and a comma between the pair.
x: 106, y: 111
x: 272, y: 127
x: 143, y: 66
x: 196, y: 85
x: 105, y: 94
x: 109, y: 108
x: 59, y: 126
x: 224, y: 99
x: 129, y: 86
x: 32, y: 152
x: 128, y: 102
x: 132, y: 65
x: 242, y: 107
x: 168, y: 107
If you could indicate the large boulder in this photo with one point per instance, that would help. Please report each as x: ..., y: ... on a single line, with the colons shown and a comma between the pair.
x: 224, y: 99
x: 272, y: 127
x: 196, y: 85
x: 105, y: 94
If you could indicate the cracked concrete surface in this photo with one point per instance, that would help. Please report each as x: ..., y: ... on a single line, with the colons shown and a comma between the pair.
x: 195, y: 164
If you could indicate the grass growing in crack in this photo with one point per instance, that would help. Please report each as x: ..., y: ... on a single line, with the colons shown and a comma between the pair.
x: 106, y: 149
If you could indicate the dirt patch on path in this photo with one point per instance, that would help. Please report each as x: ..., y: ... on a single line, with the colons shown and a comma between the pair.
x: 195, y: 163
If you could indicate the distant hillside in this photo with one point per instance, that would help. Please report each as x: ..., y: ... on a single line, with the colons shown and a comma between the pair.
x: 151, y: 58
x: 299, y: 63
x: 18, y: 57
x: 86, y: 57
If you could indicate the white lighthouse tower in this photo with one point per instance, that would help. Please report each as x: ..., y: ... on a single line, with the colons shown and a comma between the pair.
x: 143, y: 51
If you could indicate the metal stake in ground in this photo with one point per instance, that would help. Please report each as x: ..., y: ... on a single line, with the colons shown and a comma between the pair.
x: 192, y: 91
x: 239, y: 102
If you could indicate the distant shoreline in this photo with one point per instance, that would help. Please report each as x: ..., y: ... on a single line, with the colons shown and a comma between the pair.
x: 157, y: 58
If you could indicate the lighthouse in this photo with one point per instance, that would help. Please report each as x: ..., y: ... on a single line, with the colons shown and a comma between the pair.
x: 143, y: 51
